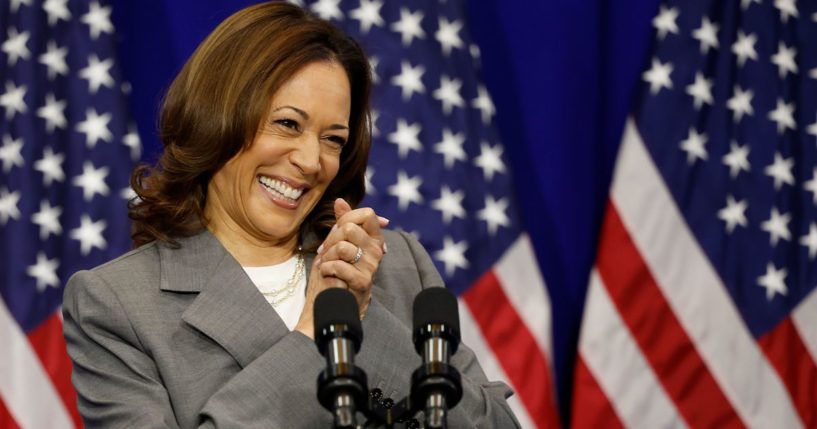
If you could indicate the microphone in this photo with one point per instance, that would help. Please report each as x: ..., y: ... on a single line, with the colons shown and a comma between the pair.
x: 436, y: 335
x: 338, y: 334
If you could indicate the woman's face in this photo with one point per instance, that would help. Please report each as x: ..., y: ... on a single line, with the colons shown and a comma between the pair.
x: 265, y: 192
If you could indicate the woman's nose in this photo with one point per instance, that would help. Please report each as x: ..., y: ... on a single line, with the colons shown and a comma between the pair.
x: 307, y: 154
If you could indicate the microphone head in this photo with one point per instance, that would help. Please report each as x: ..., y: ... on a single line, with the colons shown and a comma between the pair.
x: 437, y: 306
x: 336, y: 307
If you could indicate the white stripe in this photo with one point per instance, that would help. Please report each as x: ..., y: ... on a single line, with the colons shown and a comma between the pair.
x: 472, y: 336
x: 695, y: 291
x: 25, y: 387
x: 805, y: 320
x: 518, y: 274
x: 615, y: 360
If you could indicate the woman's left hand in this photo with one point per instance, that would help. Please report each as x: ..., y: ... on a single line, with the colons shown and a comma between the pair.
x: 352, y: 251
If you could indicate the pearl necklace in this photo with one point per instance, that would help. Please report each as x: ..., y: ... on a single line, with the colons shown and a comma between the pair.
x: 277, y: 296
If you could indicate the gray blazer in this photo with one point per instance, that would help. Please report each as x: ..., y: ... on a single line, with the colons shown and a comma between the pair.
x: 164, y: 337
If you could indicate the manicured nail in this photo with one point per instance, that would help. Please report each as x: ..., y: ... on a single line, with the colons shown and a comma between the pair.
x: 320, y: 249
x: 383, y: 221
x: 334, y: 227
x: 385, y: 248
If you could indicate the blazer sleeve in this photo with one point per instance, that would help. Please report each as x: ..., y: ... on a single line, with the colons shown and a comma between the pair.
x: 117, y: 384
x: 483, y: 403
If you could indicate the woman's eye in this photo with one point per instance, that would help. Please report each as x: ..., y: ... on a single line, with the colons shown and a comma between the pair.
x: 288, y: 123
x: 340, y: 141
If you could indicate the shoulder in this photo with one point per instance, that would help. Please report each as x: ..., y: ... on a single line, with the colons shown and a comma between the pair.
x: 407, y: 257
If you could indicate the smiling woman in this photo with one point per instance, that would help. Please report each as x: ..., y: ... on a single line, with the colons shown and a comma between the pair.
x: 249, y: 213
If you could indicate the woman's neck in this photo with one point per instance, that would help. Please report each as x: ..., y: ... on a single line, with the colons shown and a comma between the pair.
x: 251, y: 251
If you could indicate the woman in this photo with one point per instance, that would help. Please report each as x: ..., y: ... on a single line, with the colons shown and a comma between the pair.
x: 245, y: 219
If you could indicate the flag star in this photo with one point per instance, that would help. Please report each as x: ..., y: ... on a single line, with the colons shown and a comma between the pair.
x: 451, y: 147
x: 15, y: 4
x: 127, y: 193
x: 89, y: 235
x: 98, y: 20
x: 373, y: 63
x: 406, y: 190
x: 8, y: 205
x: 327, y: 9
x: 787, y: 9
x: 13, y: 99
x: 452, y: 255
x: 92, y: 181
x: 132, y: 141
x: 744, y: 4
x: 370, y: 190
x: 707, y: 35
x: 406, y: 138
x: 449, y: 94
x: 51, y: 166
x: 784, y: 60
x: 15, y: 46
x: 658, y: 76
x: 777, y: 226
x: 813, y: 73
x: 812, y: 129
x: 737, y: 159
x: 448, y: 35
x: 744, y: 47
x: 773, y: 281
x: 97, y: 73
x: 783, y: 114
x: 490, y: 160
x: 95, y: 127
x: 48, y: 218
x: 733, y: 214
x: 56, y: 10
x: 54, y: 59
x: 410, y: 79
x: 45, y: 272
x: 700, y: 90
x: 296, y: 2
x: 741, y: 103
x: 409, y: 25
x: 811, y: 185
x: 494, y: 214
x: 695, y: 146
x: 484, y: 104
x: 810, y: 240
x: 54, y: 113
x: 476, y: 54
x: 368, y: 14
x: 780, y: 170
x: 10, y: 153
x: 665, y: 21
x: 450, y: 204
x: 373, y: 115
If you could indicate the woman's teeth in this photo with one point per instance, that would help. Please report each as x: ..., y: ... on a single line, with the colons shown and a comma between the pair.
x: 280, y: 188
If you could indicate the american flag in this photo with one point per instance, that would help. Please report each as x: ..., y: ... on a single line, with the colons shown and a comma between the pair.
x: 701, y: 309
x: 437, y: 170
x: 67, y: 147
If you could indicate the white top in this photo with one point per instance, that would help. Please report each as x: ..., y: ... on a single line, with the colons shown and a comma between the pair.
x: 275, y: 277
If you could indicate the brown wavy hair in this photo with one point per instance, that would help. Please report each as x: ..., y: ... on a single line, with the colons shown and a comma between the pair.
x: 213, y: 109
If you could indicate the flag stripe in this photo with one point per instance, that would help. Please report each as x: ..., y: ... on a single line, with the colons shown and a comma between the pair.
x: 24, y: 385
x: 613, y: 357
x: 48, y: 343
x: 519, y: 276
x: 805, y: 320
x: 514, y: 347
x: 789, y: 356
x: 656, y: 330
x: 694, y: 290
x: 591, y: 398
x: 493, y: 370
x: 6, y: 419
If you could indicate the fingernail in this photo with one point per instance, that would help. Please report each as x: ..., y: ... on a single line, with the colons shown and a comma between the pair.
x: 383, y: 221
x: 385, y: 248
x: 334, y: 227
x: 320, y: 249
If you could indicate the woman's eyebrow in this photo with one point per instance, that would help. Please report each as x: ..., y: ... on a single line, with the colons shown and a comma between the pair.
x: 306, y: 116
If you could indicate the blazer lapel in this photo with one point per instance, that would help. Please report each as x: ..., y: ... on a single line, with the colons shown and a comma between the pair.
x: 229, y: 309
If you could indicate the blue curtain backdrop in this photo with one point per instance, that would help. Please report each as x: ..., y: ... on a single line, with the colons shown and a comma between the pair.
x: 561, y: 74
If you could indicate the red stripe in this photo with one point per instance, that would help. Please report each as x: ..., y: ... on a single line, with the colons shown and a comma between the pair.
x: 788, y: 354
x: 514, y: 347
x: 656, y: 330
x: 591, y: 408
x: 6, y: 419
x: 49, y: 344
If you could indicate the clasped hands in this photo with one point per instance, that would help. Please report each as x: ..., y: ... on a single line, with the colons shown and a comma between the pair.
x: 348, y: 259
